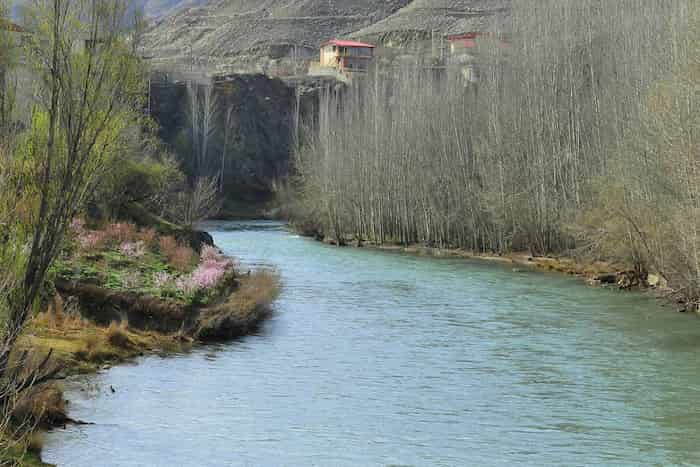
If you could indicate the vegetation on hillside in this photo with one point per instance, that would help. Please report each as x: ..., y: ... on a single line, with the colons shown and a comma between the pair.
x: 581, y: 137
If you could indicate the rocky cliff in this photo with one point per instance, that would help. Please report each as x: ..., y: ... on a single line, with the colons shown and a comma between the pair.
x: 254, y: 125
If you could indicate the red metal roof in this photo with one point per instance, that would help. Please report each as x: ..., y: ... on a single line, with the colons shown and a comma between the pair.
x: 467, y: 36
x: 343, y: 43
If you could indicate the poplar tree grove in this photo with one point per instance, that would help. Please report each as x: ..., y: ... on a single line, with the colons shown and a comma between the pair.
x: 580, y: 138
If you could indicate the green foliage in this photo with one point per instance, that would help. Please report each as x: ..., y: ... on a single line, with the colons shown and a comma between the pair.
x: 145, y: 174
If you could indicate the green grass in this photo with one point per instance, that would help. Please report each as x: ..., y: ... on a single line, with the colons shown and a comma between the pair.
x: 115, y: 271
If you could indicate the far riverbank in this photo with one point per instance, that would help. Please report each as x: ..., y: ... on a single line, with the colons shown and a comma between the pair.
x: 592, y: 272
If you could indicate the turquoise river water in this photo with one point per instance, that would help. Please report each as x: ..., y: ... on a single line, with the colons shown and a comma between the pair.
x: 375, y: 358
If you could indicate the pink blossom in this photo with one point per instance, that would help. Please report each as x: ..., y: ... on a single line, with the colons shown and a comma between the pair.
x: 212, y: 268
x: 209, y: 253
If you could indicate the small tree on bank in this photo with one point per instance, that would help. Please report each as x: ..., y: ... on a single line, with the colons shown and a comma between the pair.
x: 87, y: 90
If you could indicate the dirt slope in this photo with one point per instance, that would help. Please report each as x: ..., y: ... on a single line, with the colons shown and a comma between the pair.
x: 421, y: 18
x: 255, y: 32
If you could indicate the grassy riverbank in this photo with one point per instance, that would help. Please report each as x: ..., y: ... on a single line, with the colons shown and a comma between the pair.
x: 118, y: 292
x: 80, y: 346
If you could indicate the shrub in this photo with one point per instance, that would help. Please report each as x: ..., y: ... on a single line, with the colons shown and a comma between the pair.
x: 147, y: 236
x: 212, y: 267
x: 181, y: 258
x: 167, y: 245
x: 122, y: 232
x: 35, y: 441
x: 209, y: 253
x: 117, y: 335
x: 210, y: 272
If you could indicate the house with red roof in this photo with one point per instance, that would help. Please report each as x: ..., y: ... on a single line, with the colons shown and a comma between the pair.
x: 347, y: 56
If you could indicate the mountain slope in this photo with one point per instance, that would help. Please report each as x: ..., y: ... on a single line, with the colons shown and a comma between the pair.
x: 422, y: 18
x: 257, y: 31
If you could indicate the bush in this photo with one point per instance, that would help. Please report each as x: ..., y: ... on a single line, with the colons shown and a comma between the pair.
x: 181, y: 259
x: 117, y: 335
x: 122, y: 232
x: 35, y: 441
x: 147, y: 236
x: 167, y: 245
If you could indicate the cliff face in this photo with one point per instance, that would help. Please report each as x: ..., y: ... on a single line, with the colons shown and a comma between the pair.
x: 253, y: 128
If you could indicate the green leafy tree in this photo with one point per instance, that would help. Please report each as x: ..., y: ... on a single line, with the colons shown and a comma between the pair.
x: 88, y: 88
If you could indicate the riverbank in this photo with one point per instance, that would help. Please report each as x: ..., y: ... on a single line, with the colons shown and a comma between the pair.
x: 119, y: 292
x: 592, y: 272
x: 81, y: 346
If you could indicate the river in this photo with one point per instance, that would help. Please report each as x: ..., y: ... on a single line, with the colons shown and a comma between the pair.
x: 376, y: 358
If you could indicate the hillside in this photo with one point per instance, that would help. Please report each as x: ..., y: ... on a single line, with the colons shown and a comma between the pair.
x: 151, y: 8
x: 256, y: 34
x: 276, y: 36
x: 421, y: 18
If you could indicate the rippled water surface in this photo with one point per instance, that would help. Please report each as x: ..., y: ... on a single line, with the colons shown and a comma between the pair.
x: 375, y: 358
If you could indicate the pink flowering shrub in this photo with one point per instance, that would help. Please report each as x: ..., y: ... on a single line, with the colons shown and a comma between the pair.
x: 209, y: 253
x: 134, y: 250
x: 212, y: 267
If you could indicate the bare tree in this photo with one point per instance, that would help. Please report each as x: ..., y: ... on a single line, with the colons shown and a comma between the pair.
x: 203, y: 114
x: 199, y: 203
x: 579, y: 135
x: 228, y: 128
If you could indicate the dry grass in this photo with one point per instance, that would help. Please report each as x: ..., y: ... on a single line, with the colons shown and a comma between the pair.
x: 60, y: 317
x: 167, y: 245
x: 81, y: 346
x: 181, y: 259
x: 148, y: 236
x: 244, y: 309
x: 35, y: 441
x: 117, y: 335
x: 179, y: 256
x: 43, y: 405
x: 258, y: 290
